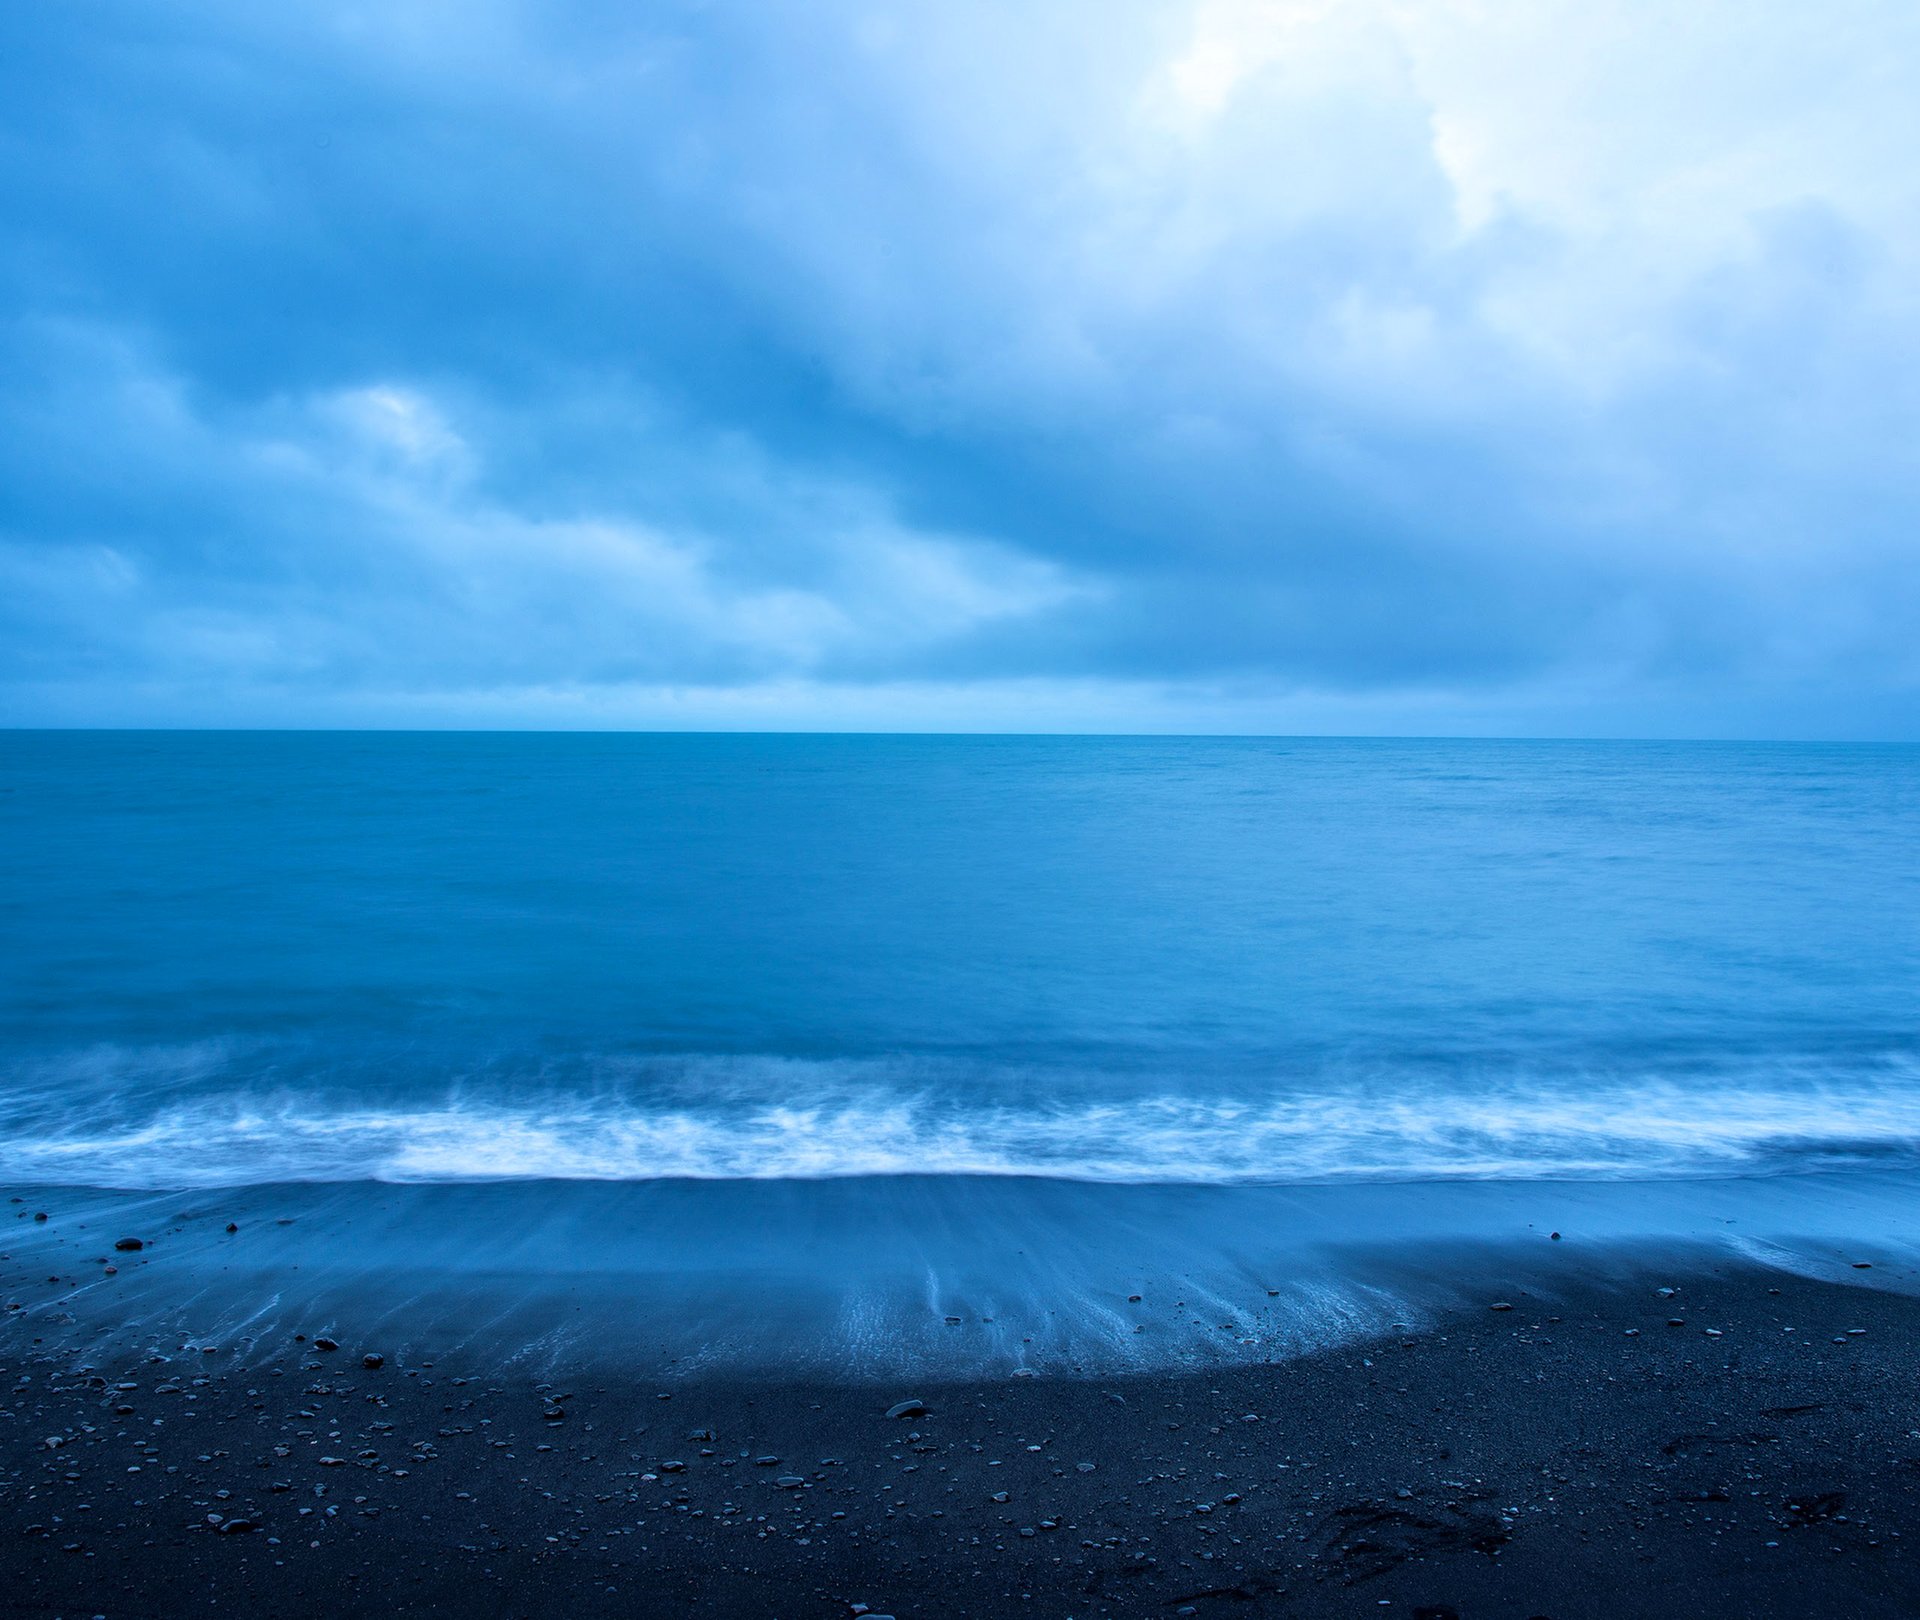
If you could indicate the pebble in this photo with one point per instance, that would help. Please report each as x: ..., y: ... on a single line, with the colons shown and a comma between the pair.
x: 907, y: 1408
x: 128, y: 1244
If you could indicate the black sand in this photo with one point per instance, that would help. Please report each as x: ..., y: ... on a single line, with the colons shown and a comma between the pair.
x: 1598, y: 1449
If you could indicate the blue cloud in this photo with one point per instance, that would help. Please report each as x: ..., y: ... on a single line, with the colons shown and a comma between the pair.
x: 1250, y: 363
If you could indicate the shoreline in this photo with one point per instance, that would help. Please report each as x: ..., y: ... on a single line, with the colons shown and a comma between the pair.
x: 1572, y: 1455
x: 884, y: 1278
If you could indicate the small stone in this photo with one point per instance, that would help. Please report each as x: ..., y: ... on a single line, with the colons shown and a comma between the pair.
x: 789, y: 1482
x: 1863, y: 1265
x: 128, y: 1244
x: 907, y: 1408
x: 1084, y: 1467
x: 232, y: 1226
x: 237, y: 1527
x: 999, y: 1496
x: 673, y: 1466
x: 324, y: 1343
x: 1555, y: 1236
x: 1499, y: 1305
x: 372, y: 1362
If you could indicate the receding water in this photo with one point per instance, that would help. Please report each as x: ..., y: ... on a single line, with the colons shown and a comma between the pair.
x: 243, y: 958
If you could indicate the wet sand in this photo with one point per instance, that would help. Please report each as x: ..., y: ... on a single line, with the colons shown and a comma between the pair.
x: 1747, y: 1444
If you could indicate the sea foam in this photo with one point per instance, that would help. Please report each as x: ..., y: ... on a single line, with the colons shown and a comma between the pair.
x: 734, y: 1118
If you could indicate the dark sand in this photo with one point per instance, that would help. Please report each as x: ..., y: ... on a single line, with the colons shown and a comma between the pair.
x: 1575, y: 1455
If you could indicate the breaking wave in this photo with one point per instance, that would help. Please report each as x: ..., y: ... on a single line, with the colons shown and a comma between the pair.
x: 188, y: 1124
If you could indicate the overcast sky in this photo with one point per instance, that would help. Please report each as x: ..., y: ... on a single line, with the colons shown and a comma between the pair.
x: 1457, y: 366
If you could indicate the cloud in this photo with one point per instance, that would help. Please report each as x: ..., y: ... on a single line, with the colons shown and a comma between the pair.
x: 1345, y: 364
x: 348, y: 540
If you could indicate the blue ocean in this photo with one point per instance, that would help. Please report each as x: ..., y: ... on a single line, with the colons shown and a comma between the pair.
x: 241, y: 958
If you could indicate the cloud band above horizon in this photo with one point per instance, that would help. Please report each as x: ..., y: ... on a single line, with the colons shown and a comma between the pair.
x: 1510, y: 365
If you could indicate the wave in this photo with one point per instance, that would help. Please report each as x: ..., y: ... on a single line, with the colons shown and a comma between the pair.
x: 740, y: 1119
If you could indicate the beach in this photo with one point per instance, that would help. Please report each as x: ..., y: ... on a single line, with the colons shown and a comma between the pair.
x: 1526, y: 1462
x: 1561, y: 1426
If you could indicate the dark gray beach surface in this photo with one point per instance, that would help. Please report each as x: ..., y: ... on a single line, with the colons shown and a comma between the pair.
x: 1521, y: 1421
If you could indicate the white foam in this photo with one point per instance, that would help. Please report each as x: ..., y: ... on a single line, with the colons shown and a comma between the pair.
x: 841, y: 1121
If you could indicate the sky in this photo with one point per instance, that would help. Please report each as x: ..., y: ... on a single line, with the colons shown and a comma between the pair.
x: 1530, y: 367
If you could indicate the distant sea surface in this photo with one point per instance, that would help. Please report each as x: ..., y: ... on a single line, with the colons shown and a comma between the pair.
x: 252, y: 957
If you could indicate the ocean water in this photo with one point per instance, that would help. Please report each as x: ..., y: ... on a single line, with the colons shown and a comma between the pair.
x: 230, y: 959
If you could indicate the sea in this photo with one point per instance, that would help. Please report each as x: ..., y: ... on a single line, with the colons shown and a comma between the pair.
x: 231, y: 959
